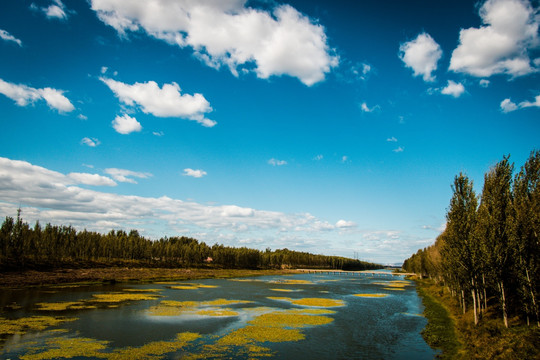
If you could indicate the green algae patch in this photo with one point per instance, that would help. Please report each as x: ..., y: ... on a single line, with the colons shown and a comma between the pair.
x: 121, y: 297
x: 259, y: 334
x: 371, y: 295
x: 63, y: 306
x: 26, y: 324
x: 154, y: 350
x: 220, y: 302
x: 217, y: 312
x: 190, y: 286
x: 68, y: 348
x: 317, y: 302
x: 290, y: 320
x: 292, y: 282
x: 143, y: 290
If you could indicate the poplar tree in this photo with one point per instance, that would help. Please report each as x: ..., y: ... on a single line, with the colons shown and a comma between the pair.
x: 494, y: 230
x: 527, y: 231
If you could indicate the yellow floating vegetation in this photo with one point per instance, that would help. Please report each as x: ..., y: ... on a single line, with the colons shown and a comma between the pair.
x: 371, y: 295
x: 190, y: 286
x: 143, y: 290
x: 154, y: 350
x: 284, y: 290
x: 179, y: 303
x: 259, y: 334
x: 69, y: 347
x: 289, y: 320
x: 318, y: 302
x: 220, y: 302
x: 161, y: 310
x: 217, y: 312
x: 117, y: 297
x: 291, y: 282
x: 63, y: 306
x: 34, y: 323
x: 394, y: 288
x: 58, y: 348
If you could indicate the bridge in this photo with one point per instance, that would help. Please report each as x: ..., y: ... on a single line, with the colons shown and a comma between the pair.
x: 345, y: 272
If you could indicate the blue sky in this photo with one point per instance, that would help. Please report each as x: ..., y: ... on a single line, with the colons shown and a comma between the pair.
x: 329, y: 127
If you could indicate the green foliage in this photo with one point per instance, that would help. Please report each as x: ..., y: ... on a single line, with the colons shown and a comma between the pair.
x: 23, y: 247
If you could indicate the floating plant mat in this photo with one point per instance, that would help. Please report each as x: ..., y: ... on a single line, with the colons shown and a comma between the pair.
x: 33, y: 323
x: 371, y: 295
x: 191, y: 286
x: 103, y: 300
x: 291, y: 282
x: 286, y: 290
x: 202, y: 308
x: 76, y: 347
x: 317, y: 302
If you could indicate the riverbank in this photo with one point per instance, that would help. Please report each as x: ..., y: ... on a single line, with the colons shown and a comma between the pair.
x: 122, y: 275
x: 455, y: 334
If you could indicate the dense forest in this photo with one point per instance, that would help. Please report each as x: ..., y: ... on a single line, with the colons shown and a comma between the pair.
x: 489, y: 254
x: 24, y: 247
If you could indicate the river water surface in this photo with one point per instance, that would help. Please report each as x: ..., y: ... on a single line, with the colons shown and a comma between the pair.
x: 315, y: 316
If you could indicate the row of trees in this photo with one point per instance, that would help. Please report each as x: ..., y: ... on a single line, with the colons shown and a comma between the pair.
x: 489, y: 254
x: 22, y: 246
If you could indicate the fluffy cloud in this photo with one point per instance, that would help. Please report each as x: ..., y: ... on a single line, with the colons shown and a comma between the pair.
x: 126, y: 124
x: 123, y: 175
x: 162, y: 102
x: 194, y: 173
x: 343, y: 224
x: 92, y: 179
x: 24, y: 95
x: 399, y: 149
x: 421, y: 55
x: 4, y: 35
x: 56, y: 10
x: 227, y: 33
x: 392, y: 139
x: 502, y: 45
x: 453, y: 89
x: 365, y: 108
x: 92, y: 142
x: 507, y: 105
x: 276, y: 162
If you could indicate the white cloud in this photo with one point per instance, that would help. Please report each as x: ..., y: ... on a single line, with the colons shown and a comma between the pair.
x: 226, y: 33
x: 343, y: 224
x: 56, y: 10
x: 365, y: 108
x: 92, y: 179
x: 507, y: 105
x: 24, y: 95
x: 275, y: 162
x: 392, y: 139
x: 82, y: 117
x: 453, y: 89
x: 51, y: 196
x: 399, y: 149
x: 4, y: 35
x: 194, y: 173
x: 344, y: 158
x: 123, y: 175
x: 318, y: 157
x: 92, y: 142
x: 421, y: 55
x: 162, y: 102
x: 126, y: 124
x: 484, y: 83
x: 158, y: 133
x: 502, y: 45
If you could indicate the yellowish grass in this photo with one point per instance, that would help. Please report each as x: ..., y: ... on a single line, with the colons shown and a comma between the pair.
x: 121, y: 297
x: 33, y: 323
x: 317, y: 302
x: 217, y: 312
x: 371, y: 295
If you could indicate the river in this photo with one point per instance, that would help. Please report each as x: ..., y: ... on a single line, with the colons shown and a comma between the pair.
x: 315, y: 316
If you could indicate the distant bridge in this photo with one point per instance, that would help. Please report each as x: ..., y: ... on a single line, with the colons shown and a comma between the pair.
x: 345, y: 272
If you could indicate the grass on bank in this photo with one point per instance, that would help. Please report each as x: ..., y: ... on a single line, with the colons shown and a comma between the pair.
x: 455, y: 334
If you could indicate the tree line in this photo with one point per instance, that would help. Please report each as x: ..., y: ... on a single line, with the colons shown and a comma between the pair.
x: 23, y: 247
x: 489, y: 253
